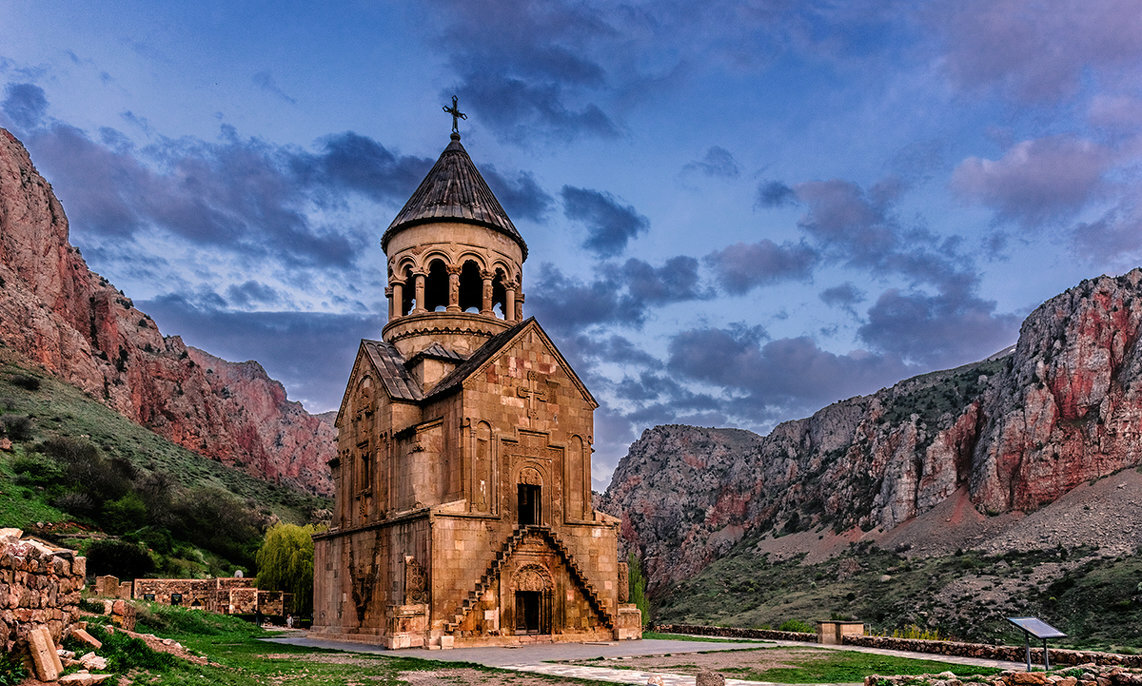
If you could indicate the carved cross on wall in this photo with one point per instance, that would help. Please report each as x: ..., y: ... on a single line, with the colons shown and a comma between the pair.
x: 532, y: 392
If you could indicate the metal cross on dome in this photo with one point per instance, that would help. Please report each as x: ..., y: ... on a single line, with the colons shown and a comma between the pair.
x: 457, y: 115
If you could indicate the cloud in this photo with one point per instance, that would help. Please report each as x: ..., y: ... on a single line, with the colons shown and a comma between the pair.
x: 251, y: 294
x: 521, y: 196
x: 718, y: 163
x: 283, y: 342
x: 941, y: 330
x: 1116, y: 112
x: 1035, y: 52
x: 775, y: 194
x: 265, y: 81
x: 610, y: 224
x: 844, y: 296
x: 843, y: 216
x: 742, y: 267
x: 1115, y: 238
x: 1036, y: 180
x: 528, y: 70
x: 780, y: 376
x: 350, y: 161
x: 623, y: 296
x: 25, y: 104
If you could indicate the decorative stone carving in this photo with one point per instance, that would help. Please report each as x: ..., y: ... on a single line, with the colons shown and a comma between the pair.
x: 531, y: 578
x: 624, y: 582
x: 415, y: 582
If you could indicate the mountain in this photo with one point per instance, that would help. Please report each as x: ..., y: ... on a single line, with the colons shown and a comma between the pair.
x: 76, y: 325
x: 949, y: 460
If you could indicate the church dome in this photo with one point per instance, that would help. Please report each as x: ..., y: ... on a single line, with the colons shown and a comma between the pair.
x: 454, y: 191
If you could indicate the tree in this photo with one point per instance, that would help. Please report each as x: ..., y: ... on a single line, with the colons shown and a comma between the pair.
x: 285, y: 563
x: 638, y: 587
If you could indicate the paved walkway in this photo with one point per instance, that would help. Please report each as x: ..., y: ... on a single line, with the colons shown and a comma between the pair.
x: 545, y: 658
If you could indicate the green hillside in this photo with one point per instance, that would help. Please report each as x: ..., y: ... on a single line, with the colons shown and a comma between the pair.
x: 1096, y: 600
x: 83, y: 476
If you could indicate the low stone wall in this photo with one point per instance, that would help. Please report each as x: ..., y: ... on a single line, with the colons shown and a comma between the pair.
x: 39, y: 586
x: 1081, y: 675
x: 731, y: 632
x: 1058, y: 656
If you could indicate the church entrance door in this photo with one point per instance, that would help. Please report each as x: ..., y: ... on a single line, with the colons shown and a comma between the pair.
x: 528, y: 504
x: 532, y: 612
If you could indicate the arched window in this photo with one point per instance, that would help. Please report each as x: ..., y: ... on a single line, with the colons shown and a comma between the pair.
x: 408, y: 293
x: 499, y: 294
x: 436, y: 287
x: 471, y: 287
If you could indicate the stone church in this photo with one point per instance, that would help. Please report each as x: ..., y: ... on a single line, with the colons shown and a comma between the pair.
x: 463, y: 511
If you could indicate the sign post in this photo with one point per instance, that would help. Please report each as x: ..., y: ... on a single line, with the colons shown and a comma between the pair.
x: 1033, y: 626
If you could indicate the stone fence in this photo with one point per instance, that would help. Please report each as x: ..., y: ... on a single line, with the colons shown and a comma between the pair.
x: 39, y: 587
x: 1059, y: 656
x: 1082, y: 675
x: 731, y: 632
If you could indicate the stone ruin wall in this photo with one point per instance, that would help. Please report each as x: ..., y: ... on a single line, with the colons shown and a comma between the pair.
x: 39, y: 586
x: 229, y: 595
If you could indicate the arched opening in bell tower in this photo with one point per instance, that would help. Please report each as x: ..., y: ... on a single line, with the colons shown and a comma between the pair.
x: 471, y: 287
x: 436, y: 287
x: 499, y: 295
x: 408, y: 293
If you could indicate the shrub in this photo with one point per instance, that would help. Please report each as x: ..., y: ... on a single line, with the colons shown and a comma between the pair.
x: 12, y: 669
x: 638, y: 587
x: 797, y: 625
x: 120, y: 558
x: 31, y: 471
x: 124, y: 514
x: 28, y: 383
x: 18, y: 427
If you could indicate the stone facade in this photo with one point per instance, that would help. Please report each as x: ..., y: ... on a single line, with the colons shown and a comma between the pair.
x: 463, y: 511
x: 227, y: 595
x: 39, y: 587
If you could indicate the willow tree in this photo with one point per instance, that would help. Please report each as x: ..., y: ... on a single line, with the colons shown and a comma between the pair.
x: 285, y: 563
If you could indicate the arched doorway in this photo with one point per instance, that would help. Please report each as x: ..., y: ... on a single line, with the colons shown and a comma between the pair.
x: 533, y: 600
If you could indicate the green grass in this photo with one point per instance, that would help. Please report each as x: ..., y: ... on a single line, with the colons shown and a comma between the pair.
x: 843, y: 666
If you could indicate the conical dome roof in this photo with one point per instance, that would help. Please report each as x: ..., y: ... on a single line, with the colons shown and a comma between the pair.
x: 454, y: 191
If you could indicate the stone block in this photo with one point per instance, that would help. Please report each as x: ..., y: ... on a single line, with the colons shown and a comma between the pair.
x: 85, y: 638
x: 42, y: 649
x: 707, y: 677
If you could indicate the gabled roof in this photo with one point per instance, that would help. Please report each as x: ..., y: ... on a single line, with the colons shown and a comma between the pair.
x: 455, y: 379
x: 435, y: 352
x: 454, y: 190
x: 389, y: 364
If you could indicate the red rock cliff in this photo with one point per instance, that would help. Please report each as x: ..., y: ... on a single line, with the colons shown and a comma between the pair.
x: 1013, y: 433
x: 75, y: 324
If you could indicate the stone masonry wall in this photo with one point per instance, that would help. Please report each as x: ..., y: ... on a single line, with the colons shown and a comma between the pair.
x: 1058, y: 656
x: 39, y: 586
x: 731, y: 632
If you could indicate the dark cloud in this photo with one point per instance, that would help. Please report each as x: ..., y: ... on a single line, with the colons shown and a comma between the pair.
x: 1037, y: 180
x: 742, y: 267
x: 283, y: 342
x: 527, y: 70
x: 842, y: 215
x: 775, y: 194
x: 521, y: 197
x: 1036, y: 52
x: 351, y: 161
x: 25, y: 104
x: 781, y: 376
x: 1114, y: 238
x: 610, y: 224
x: 252, y: 293
x: 623, y: 296
x: 718, y: 163
x: 942, y: 330
x: 265, y: 81
x: 845, y: 295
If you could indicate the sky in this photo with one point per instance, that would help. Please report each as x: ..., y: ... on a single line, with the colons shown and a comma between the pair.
x: 736, y: 212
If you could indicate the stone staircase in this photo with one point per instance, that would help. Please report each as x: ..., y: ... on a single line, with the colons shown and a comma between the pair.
x: 509, y: 546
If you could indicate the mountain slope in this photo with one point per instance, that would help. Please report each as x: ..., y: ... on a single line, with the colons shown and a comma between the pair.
x: 73, y: 323
x: 1007, y: 435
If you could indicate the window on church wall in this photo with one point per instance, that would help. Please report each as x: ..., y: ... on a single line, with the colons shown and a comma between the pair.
x: 471, y: 287
x: 408, y: 295
x: 436, y: 287
x: 499, y: 294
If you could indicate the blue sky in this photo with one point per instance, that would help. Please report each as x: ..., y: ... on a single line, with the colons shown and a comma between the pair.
x: 737, y: 212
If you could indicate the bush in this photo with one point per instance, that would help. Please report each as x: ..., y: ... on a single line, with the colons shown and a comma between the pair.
x: 797, y: 625
x: 12, y: 669
x: 32, y: 472
x: 124, y: 514
x: 119, y: 558
x: 29, y: 383
x: 18, y: 427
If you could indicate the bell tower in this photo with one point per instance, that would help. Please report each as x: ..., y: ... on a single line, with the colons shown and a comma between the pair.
x: 455, y: 262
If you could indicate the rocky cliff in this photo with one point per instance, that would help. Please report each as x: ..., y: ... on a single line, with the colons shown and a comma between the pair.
x: 1009, y: 434
x: 75, y: 324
